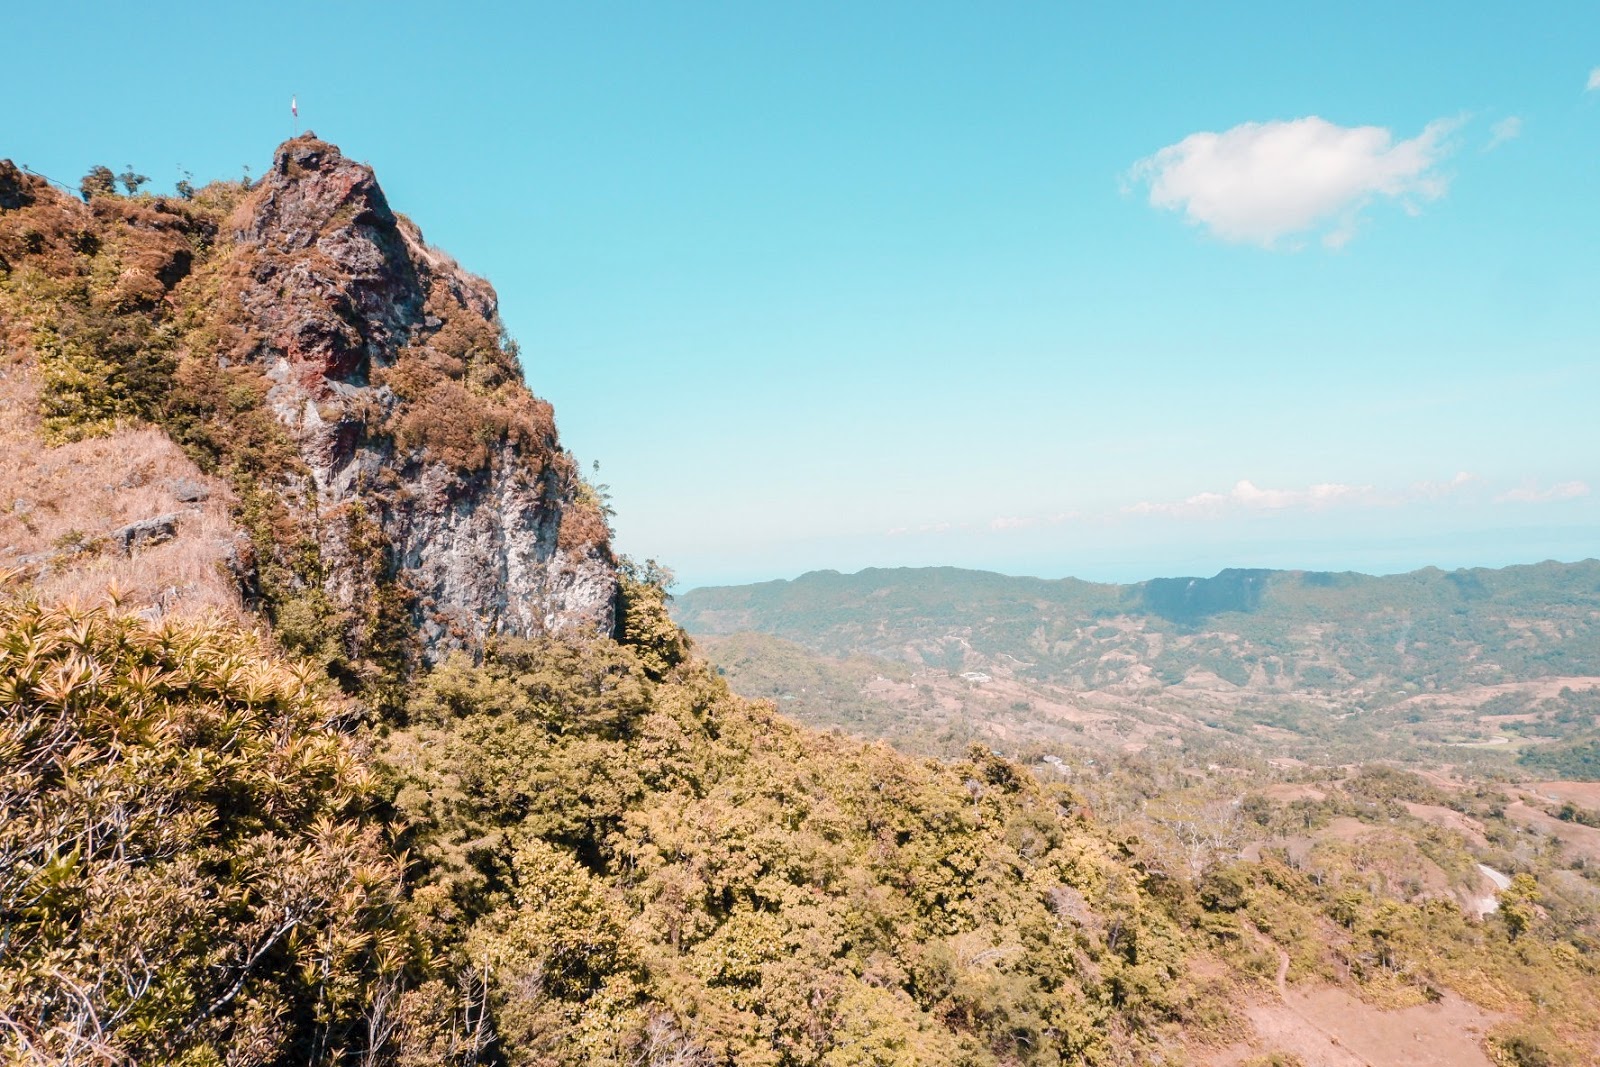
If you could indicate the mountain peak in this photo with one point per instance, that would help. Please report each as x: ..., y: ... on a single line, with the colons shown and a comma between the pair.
x: 389, y: 367
x: 401, y: 466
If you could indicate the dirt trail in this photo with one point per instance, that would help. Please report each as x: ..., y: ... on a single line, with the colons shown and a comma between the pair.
x: 1340, y: 1056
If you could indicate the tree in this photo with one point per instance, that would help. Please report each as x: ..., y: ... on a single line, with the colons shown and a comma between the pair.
x: 1203, y: 826
x: 186, y: 867
x: 1519, y: 904
x: 643, y: 622
x: 131, y: 179
x: 98, y: 182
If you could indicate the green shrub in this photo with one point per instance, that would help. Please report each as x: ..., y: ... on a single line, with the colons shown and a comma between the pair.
x: 187, y: 868
x: 98, y: 182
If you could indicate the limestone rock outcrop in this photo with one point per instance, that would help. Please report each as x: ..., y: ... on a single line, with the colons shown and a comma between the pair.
x: 389, y: 368
x: 399, y: 490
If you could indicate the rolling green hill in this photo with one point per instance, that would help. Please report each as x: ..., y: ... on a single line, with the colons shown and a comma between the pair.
x: 1288, y: 659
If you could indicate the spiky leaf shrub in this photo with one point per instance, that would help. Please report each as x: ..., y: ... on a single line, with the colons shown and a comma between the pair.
x: 186, y: 872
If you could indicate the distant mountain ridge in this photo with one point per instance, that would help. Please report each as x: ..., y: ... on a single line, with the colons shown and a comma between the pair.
x: 1269, y: 649
x: 790, y: 607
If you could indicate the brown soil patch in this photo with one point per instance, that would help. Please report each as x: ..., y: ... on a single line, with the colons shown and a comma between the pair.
x: 1328, y: 1027
x: 1286, y: 792
x: 1583, y: 794
x: 1206, y: 681
x: 1344, y: 828
x: 1579, y: 840
x: 1475, y: 696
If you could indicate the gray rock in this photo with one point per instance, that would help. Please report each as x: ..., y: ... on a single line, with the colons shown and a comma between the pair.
x: 189, y: 491
x: 146, y: 533
x: 41, y: 564
x: 339, y: 287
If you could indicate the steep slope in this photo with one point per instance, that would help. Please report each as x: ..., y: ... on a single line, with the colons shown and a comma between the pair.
x: 388, y: 367
x: 126, y: 510
x: 401, y: 490
x: 563, y: 847
x: 569, y: 857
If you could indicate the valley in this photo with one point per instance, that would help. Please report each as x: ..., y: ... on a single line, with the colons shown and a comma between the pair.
x: 1481, y: 668
x: 1356, y: 774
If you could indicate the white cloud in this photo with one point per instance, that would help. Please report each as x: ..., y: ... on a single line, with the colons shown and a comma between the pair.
x: 924, y: 528
x: 1464, y: 488
x: 1261, y: 182
x: 1435, y: 490
x: 1247, y: 496
x: 1594, y: 81
x: 1023, y: 522
x: 1530, y: 493
x: 1507, y: 129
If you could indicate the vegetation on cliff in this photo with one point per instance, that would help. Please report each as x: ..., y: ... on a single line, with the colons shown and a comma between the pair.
x: 189, y: 867
x: 575, y: 850
x: 354, y: 387
x: 572, y: 852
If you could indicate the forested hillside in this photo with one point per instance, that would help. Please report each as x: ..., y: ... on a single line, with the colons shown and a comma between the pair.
x: 571, y: 851
x: 1301, y: 663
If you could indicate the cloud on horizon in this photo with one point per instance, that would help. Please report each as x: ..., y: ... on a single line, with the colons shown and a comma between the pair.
x: 1024, y: 522
x: 925, y: 528
x: 1532, y: 494
x: 1247, y: 496
x: 1261, y: 182
x: 1436, y: 490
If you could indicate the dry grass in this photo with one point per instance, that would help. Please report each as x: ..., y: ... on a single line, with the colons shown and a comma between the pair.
x: 64, y: 502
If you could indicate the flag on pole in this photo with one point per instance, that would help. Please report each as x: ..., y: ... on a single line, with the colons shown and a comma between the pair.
x: 294, y: 108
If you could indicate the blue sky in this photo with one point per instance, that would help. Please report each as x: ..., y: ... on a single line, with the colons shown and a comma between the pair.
x: 1152, y: 289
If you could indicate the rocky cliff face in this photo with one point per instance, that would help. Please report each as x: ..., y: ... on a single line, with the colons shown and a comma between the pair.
x: 389, y: 370
x: 394, y: 471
